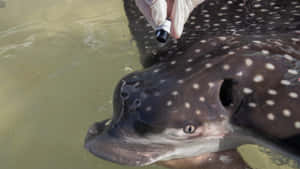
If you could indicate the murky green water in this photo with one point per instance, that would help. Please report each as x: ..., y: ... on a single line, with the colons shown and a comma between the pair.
x: 59, y: 63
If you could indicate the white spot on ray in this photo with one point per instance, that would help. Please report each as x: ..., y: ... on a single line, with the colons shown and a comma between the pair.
x: 295, y: 39
x: 173, y: 62
x: 198, y: 112
x: 270, y: 66
x: 187, y: 105
x: 225, y: 47
x: 270, y: 102
x: 297, y: 124
x: 203, y: 41
x: 252, y: 14
x: 180, y: 81
x: 285, y: 82
x: 248, y: 62
x: 188, y: 69
x: 247, y: 90
x: 208, y: 65
x: 239, y: 73
x: 202, y: 99
x: 197, y: 50
x: 293, y: 95
x: 258, y: 78
x: 222, y: 38
x: 271, y: 116
x: 245, y: 47
x: 231, y: 53
x: 207, y: 55
x: 226, y: 67
x: 265, y: 52
x: 292, y: 71
x: 175, y: 93
x: 251, y: 104
x: 211, y: 84
x: 286, y: 112
x: 257, y: 41
x: 198, y: 27
x: 223, y: 20
x: 169, y: 103
x: 156, y: 70
x: 196, y: 86
x: 288, y: 57
x: 257, y: 5
x: 149, y: 108
x: 272, y: 92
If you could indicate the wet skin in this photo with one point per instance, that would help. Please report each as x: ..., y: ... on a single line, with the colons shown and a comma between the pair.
x: 232, y: 79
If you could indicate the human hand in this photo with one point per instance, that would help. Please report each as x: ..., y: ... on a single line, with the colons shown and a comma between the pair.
x: 158, y: 11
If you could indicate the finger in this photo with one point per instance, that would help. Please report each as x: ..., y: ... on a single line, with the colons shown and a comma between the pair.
x: 180, y: 12
x: 155, y: 11
x: 159, y: 12
x: 170, y: 4
x: 145, y: 9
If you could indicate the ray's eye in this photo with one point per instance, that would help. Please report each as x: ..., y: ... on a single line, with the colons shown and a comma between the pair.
x: 189, y: 129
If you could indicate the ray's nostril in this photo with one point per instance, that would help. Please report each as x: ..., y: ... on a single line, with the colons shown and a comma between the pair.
x: 124, y: 95
x: 137, y: 102
x: 92, y: 131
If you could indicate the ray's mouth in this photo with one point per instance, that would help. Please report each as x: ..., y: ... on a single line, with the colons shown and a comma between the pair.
x: 103, y: 142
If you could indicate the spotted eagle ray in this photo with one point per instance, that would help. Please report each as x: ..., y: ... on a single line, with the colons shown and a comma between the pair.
x: 232, y: 79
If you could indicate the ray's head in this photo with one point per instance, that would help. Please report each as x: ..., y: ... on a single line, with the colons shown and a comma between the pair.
x: 160, y: 117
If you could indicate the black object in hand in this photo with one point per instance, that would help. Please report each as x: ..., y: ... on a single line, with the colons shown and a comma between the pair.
x: 162, y: 35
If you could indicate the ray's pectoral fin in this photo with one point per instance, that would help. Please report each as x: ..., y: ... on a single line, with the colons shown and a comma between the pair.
x: 225, y: 159
x: 243, y: 132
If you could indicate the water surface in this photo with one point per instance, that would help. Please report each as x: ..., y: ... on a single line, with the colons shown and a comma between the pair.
x: 59, y: 63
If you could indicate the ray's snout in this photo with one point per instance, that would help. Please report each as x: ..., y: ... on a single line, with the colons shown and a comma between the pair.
x: 109, y: 142
x: 96, y: 129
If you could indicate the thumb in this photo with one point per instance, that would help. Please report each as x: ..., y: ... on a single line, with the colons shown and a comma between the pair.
x: 159, y: 12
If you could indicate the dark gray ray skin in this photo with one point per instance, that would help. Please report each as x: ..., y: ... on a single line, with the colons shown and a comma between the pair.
x: 236, y: 72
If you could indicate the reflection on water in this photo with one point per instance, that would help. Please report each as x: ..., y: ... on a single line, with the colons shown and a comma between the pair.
x: 59, y: 63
